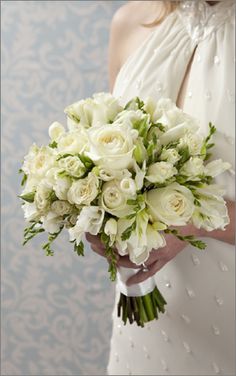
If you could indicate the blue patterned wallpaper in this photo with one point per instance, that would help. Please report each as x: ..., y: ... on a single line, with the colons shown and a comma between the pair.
x: 56, y: 312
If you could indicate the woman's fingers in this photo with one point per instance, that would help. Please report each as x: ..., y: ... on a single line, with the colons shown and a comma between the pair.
x: 143, y: 275
x: 125, y: 261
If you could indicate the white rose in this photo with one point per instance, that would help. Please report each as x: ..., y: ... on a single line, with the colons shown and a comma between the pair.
x: 58, y: 183
x: 73, y: 166
x: 61, y: 207
x: 194, y: 142
x: 38, y: 161
x: 159, y: 172
x: 89, y: 220
x: 213, y: 213
x: 170, y: 155
x: 110, y: 229
x: 99, y: 110
x: 113, y: 200
x: 55, y: 130
x: 128, y: 186
x: 84, y: 191
x: 172, y: 205
x: 216, y: 167
x: 30, y: 211
x: 61, y: 187
x: 42, y: 196
x: 193, y: 168
x: 72, y: 142
x: 107, y: 174
x: 51, y: 222
x: 112, y: 147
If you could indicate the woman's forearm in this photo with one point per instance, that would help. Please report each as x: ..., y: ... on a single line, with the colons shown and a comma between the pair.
x: 227, y: 235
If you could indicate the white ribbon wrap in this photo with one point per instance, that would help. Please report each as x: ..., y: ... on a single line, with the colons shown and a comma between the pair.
x: 139, y: 289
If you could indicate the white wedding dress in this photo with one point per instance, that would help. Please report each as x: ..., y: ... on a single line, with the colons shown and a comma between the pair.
x: 196, y: 334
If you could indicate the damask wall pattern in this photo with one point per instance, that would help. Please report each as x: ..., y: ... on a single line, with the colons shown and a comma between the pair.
x: 56, y: 312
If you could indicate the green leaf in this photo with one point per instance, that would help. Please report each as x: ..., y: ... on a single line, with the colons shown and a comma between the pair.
x: 88, y: 163
x: 53, y: 145
x: 23, y: 181
x: 28, y: 197
x: 64, y: 156
x: 79, y: 248
x: 187, y: 238
x: 110, y: 254
x: 131, y: 202
x: 185, y: 155
x: 31, y: 231
x: 159, y: 126
x: 52, y: 197
x: 127, y: 233
x: 72, y: 116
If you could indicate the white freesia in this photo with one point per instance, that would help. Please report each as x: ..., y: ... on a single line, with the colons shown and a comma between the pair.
x: 216, y: 167
x: 89, y: 220
x: 212, y: 213
x: 58, y: 183
x: 194, y: 141
x: 175, y: 133
x: 84, y: 191
x: 142, y: 240
x: 170, y: 155
x: 38, y: 161
x: 112, y: 147
x: 172, y: 205
x: 193, y: 168
x: 61, y: 207
x: 72, y: 142
x: 159, y: 172
x: 99, y: 110
x: 132, y: 118
x: 51, y: 222
x: 140, y: 152
x: 110, y: 229
x: 42, y: 196
x: 139, y: 175
x: 30, y: 211
x: 114, y: 200
x: 31, y: 184
x: 72, y: 165
x: 55, y: 130
x: 166, y: 112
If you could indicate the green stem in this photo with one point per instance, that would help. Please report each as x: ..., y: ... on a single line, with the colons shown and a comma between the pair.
x: 147, y: 303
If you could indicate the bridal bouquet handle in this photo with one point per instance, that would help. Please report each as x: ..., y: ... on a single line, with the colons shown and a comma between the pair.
x: 130, y: 175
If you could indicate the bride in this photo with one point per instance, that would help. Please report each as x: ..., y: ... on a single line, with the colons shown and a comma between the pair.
x: 182, y: 50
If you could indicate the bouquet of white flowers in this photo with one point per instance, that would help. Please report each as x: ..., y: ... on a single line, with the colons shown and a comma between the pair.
x: 129, y: 175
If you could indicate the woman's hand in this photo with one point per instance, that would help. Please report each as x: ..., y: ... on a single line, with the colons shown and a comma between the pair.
x: 157, y: 259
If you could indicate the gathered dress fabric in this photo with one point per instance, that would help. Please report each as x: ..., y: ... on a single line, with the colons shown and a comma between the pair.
x: 196, y: 334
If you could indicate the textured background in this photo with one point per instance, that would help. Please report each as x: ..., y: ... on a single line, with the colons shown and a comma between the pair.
x: 56, y: 312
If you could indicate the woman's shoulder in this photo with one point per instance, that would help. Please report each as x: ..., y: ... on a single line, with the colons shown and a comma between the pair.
x: 127, y: 31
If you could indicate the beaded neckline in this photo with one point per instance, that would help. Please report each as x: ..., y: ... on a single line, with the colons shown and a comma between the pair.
x: 201, y: 19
